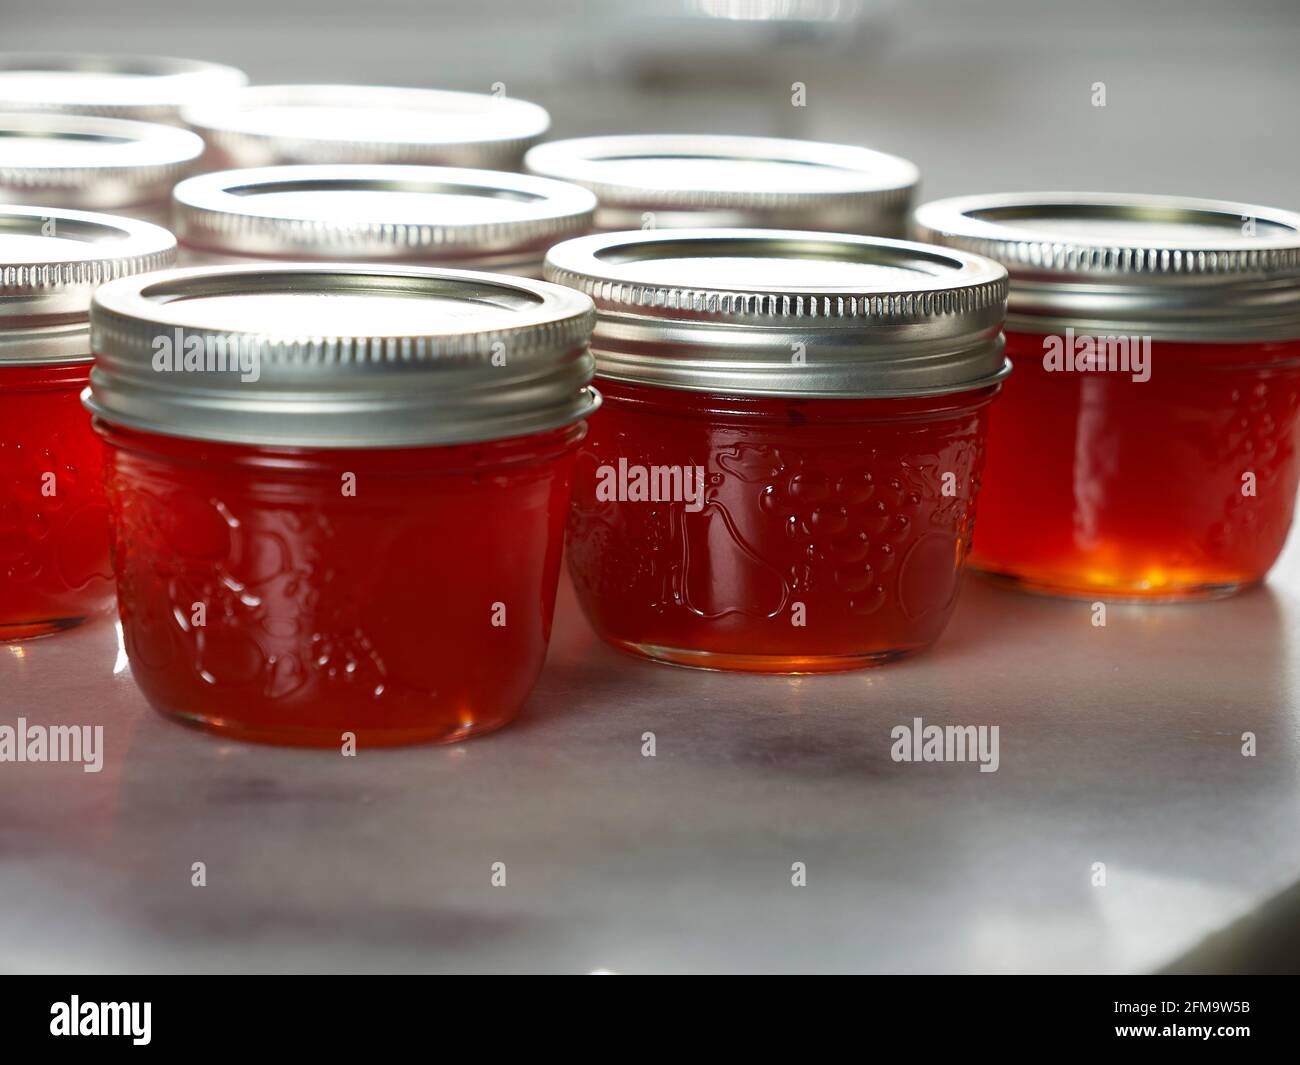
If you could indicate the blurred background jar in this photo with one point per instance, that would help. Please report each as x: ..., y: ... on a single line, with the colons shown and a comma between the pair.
x: 665, y: 181
x: 1148, y: 445
x: 432, y: 216
x: 54, y: 564
x: 142, y: 87
x: 267, y: 125
x: 89, y: 163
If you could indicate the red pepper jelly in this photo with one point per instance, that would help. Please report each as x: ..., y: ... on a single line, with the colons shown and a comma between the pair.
x: 421, y: 215
x: 54, y: 565
x: 667, y: 181
x: 338, y: 493
x: 1147, y: 446
x: 783, y: 476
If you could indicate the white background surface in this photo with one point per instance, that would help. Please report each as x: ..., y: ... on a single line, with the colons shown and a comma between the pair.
x: 1120, y: 745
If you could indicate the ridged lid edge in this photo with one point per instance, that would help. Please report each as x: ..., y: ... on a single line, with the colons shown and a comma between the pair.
x: 229, y: 231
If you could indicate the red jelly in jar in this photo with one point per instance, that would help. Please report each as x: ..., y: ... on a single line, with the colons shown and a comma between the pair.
x: 418, y: 215
x: 353, y: 525
x: 54, y: 565
x: 783, y: 476
x: 1148, y: 445
x: 667, y: 181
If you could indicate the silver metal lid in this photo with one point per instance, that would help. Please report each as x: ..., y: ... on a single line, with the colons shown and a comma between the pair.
x: 266, y: 125
x: 51, y: 260
x: 708, y: 181
x: 339, y: 355
x: 1164, y: 266
x: 479, y: 218
x: 90, y: 163
x: 148, y: 88
x: 784, y: 313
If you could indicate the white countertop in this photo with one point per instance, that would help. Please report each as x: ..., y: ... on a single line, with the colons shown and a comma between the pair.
x: 1119, y: 745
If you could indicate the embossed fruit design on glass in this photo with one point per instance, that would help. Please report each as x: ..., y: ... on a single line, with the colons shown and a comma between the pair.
x: 784, y: 475
x: 670, y: 181
x: 1147, y: 446
x: 418, y: 215
x: 376, y: 559
x: 54, y: 544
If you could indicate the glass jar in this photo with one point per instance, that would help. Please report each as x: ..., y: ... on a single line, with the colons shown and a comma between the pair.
x: 145, y: 88
x: 431, y: 216
x: 668, y: 181
x: 268, y: 125
x: 784, y: 474
x: 1146, y: 447
x: 54, y: 566
x: 90, y: 163
x: 351, y: 532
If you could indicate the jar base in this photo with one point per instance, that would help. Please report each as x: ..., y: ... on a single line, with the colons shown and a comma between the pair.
x: 34, y: 630
x: 1185, y: 593
x: 332, y: 737
x: 740, y: 663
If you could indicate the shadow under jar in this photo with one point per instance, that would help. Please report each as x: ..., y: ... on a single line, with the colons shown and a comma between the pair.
x: 356, y: 525
x: 783, y: 476
x: 667, y: 181
x: 54, y: 544
x: 1148, y: 445
x: 89, y: 163
x: 418, y: 215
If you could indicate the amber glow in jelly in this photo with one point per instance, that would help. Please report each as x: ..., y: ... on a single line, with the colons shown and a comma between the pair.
x: 54, y: 544
x: 350, y: 532
x: 419, y: 215
x: 1146, y: 445
x: 784, y: 474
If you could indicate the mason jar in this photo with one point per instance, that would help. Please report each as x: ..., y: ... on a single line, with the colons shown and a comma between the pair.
x: 90, y: 163
x: 1146, y: 446
x: 54, y: 543
x: 338, y: 492
x: 784, y: 474
x: 269, y: 125
x: 666, y: 181
x: 142, y: 87
x: 431, y: 216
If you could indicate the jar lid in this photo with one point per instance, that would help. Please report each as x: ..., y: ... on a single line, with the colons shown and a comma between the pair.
x: 265, y: 125
x: 784, y: 313
x: 338, y: 355
x: 1165, y: 266
x: 381, y: 213
x: 151, y: 88
x: 51, y: 260
x: 90, y: 163
x: 699, y: 180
